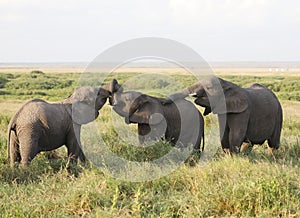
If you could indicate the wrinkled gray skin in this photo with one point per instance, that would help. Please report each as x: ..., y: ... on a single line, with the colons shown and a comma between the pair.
x: 42, y: 126
x: 176, y: 122
x: 251, y: 115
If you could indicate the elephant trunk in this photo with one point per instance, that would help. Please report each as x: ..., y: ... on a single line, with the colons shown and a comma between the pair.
x: 112, y: 87
x: 133, y: 108
x: 196, y: 90
x: 203, y: 143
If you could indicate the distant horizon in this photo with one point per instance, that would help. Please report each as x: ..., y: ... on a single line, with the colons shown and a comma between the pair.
x: 219, y: 61
x: 141, y: 64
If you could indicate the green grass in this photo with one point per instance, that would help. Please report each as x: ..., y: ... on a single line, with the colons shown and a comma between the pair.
x: 286, y: 88
x: 257, y: 184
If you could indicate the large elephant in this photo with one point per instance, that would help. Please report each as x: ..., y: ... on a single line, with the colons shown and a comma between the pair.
x: 178, y: 122
x: 41, y: 126
x: 251, y: 115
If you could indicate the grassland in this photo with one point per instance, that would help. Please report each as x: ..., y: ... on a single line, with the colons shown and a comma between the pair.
x: 257, y: 184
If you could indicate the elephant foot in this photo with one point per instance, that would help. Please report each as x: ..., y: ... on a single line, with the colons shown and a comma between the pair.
x: 226, y: 151
x: 52, y: 155
x: 272, y: 152
x: 13, y: 165
x: 235, y: 150
x: 24, y: 165
x: 246, y: 148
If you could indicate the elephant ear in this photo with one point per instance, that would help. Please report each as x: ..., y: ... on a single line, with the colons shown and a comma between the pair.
x: 81, y: 105
x: 81, y: 113
x: 235, y: 97
x: 145, y: 109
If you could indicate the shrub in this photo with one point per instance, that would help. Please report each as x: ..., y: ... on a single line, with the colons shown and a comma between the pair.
x: 3, y: 81
x: 39, y: 72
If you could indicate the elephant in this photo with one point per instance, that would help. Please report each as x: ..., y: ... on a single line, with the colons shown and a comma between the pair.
x: 41, y: 126
x: 177, y: 122
x: 246, y: 115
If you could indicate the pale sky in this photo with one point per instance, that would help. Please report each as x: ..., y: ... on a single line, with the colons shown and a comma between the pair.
x: 219, y: 30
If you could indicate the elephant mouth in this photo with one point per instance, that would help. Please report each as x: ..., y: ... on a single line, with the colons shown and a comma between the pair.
x: 202, y: 101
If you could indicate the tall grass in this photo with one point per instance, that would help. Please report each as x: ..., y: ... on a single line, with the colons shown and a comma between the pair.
x: 258, y: 184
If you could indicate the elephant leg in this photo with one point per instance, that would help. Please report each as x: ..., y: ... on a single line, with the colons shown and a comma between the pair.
x: 81, y: 155
x: 71, y: 153
x: 224, y: 133
x: 274, y: 141
x: 225, y: 141
x: 143, y: 130
x: 28, y: 150
x: 197, y: 145
x: 235, y: 140
x: 73, y: 145
x: 75, y: 151
x: 246, y: 147
x: 14, y: 151
x: 237, y: 124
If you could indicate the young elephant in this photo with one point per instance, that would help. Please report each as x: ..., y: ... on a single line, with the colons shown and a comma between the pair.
x: 251, y: 115
x: 178, y: 122
x: 42, y: 126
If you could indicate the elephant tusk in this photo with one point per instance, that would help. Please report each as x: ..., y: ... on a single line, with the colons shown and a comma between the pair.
x: 193, y: 95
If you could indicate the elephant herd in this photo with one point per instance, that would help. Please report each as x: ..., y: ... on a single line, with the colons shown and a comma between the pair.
x: 252, y: 115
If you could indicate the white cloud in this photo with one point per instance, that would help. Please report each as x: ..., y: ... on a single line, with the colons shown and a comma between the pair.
x: 35, y: 30
x: 228, y: 12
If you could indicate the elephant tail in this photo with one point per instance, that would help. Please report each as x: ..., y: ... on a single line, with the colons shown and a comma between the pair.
x: 8, y: 138
x: 11, y: 128
x: 202, y: 140
x: 12, y: 138
x: 277, y: 132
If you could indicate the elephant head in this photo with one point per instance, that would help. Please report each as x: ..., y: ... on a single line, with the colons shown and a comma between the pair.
x: 87, y: 101
x: 137, y: 108
x: 216, y: 95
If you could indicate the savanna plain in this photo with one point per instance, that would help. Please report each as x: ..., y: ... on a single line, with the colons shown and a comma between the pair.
x: 254, y: 184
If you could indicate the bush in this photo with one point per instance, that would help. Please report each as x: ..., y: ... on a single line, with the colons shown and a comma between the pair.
x: 39, y: 72
x: 10, y: 76
x: 3, y: 81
